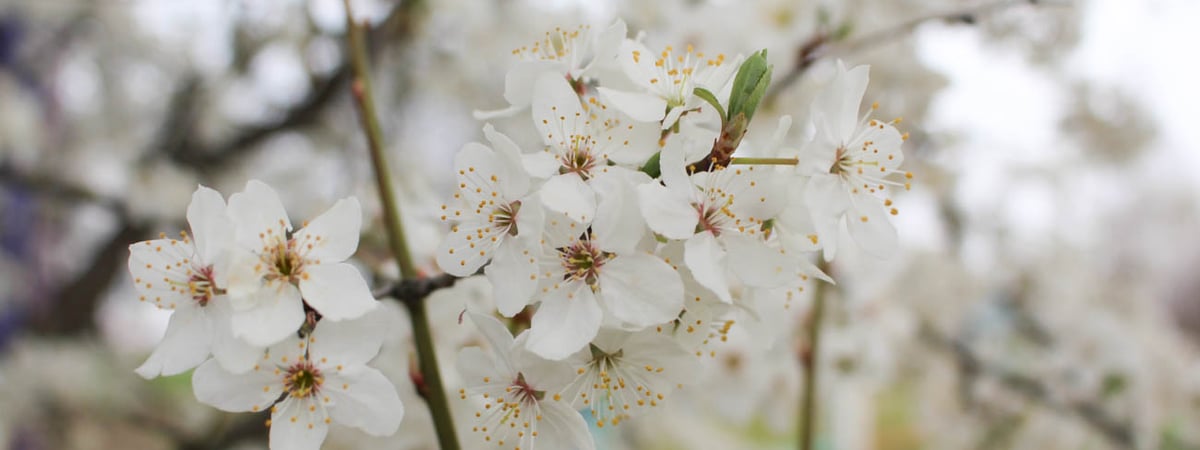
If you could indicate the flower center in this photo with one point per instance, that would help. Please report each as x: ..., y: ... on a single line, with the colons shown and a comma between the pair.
x: 523, y: 393
x: 579, y: 159
x: 303, y: 380
x: 583, y: 261
x: 201, y: 285
x: 504, y: 217
x: 284, y: 261
x: 711, y: 218
x: 554, y: 45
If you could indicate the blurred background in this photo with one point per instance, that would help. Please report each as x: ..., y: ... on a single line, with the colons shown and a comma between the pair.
x: 1046, y: 295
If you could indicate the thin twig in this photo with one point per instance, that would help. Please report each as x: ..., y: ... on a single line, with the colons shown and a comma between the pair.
x: 811, y: 363
x: 416, y: 289
x: 821, y: 44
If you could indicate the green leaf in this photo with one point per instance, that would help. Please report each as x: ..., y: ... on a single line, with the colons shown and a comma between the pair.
x: 749, y: 85
x: 711, y: 99
x: 651, y: 167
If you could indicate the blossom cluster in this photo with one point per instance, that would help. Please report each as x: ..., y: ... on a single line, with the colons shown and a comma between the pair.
x: 643, y: 222
x: 271, y: 318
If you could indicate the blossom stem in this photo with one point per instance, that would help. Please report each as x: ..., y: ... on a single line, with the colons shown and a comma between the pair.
x: 439, y: 407
x: 810, y: 361
x: 765, y: 161
x: 361, y: 88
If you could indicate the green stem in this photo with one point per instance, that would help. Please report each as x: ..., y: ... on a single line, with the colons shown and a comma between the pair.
x: 361, y: 87
x: 811, y: 361
x: 765, y: 161
x: 435, y: 393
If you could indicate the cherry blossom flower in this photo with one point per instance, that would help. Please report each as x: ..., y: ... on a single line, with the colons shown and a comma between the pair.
x: 515, y: 389
x: 309, y: 382
x: 274, y: 267
x: 722, y: 216
x: 567, y: 53
x: 488, y: 206
x: 621, y: 374
x: 585, y: 278
x: 848, y: 164
x: 668, y: 81
x: 187, y: 276
x: 580, y: 143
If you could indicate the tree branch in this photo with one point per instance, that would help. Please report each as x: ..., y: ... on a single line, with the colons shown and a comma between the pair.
x: 823, y: 44
x: 1092, y: 414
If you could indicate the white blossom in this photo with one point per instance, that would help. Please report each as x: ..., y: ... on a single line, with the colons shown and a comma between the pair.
x: 273, y: 267
x: 621, y: 374
x: 514, y: 393
x: 848, y: 164
x: 188, y: 275
x: 309, y: 382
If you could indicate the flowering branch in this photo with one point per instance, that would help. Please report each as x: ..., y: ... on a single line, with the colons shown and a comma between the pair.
x: 439, y: 408
x: 809, y: 360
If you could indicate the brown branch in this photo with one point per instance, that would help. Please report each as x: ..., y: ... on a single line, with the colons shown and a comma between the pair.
x: 72, y: 310
x: 399, y: 25
x: 822, y: 44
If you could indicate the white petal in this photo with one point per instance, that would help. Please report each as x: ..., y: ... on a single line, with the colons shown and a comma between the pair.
x: 838, y: 104
x: 757, y: 264
x: 827, y: 200
x: 618, y: 225
x: 633, y: 142
x: 244, y: 277
x: 672, y: 117
x: 513, y: 274
x: 333, y: 235
x: 463, y: 251
x: 478, y: 173
x: 672, y: 162
x: 295, y: 427
x: 606, y: 45
x: 474, y: 365
x: 641, y: 290
x: 759, y: 194
x: 234, y: 355
x: 257, y: 210
x: 639, y: 107
x: 637, y: 62
x: 159, y: 273
x: 541, y: 164
x: 870, y: 228
x: 366, y: 400
x: 559, y: 230
x: 337, y: 291
x: 514, y: 181
x: 185, y: 345
x: 252, y: 391
x: 567, y: 320
x: 699, y: 131
x: 211, y: 228
x: 531, y: 219
x: 519, y: 81
x: 706, y: 259
x: 880, y: 143
x: 667, y: 212
x: 557, y: 113
x: 350, y: 342
x: 570, y: 195
x: 562, y: 427
x: 274, y: 314
x: 496, y: 333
